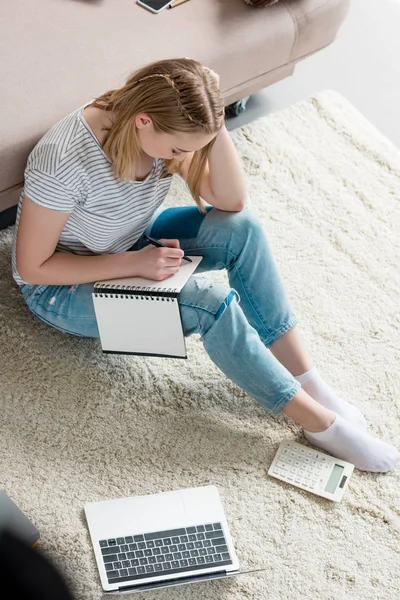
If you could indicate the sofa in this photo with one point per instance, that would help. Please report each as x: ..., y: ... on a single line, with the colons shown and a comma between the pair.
x: 57, y: 54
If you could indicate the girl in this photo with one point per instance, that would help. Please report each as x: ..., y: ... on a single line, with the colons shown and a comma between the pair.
x: 94, y: 184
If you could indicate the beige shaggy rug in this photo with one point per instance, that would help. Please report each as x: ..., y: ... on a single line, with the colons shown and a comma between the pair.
x: 77, y: 426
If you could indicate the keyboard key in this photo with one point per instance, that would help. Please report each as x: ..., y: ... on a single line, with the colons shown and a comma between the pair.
x: 198, y: 544
x: 133, y: 547
x: 166, y: 566
x: 165, y: 550
x: 135, y: 562
x: 143, y: 561
x: 129, y: 540
x: 177, y: 555
x: 167, y: 541
x: 192, y: 561
x: 211, y: 550
x: 120, y: 541
x: 217, y: 557
x: 122, y: 556
x: 192, y: 537
x: 200, y: 528
x: 209, y: 559
x: 181, y: 547
x: 201, y: 536
x: 218, y: 541
x: 141, y: 545
x: 213, y: 534
x: 194, y: 553
x: 206, y: 543
x: 141, y: 570
x: 173, y: 548
x: 149, y: 569
x: 217, y: 525
x: 132, y: 571
x: 190, y: 529
x: 184, y: 539
x: 148, y: 552
x: 161, y: 558
x: 112, y: 542
x: 139, y: 554
x: 109, y: 567
x: 203, y: 551
x: 184, y: 563
x: 190, y: 546
x: 209, y: 528
x: 156, y: 551
x: 221, y: 548
x: 126, y: 563
x: 150, y: 544
x: 201, y: 560
x: 110, y: 558
x: 175, y: 540
x: 111, y: 550
x: 138, y: 538
x: 152, y: 560
x: 112, y: 575
x: 124, y: 548
x: 118, y: 565
x: 158, y: 567
x: 123, y: 573
x: 169, y: 557
x: 175, y: 564
x: 103, y: 543
x: 130, y: 555
x: 225, y: 556
x: 186, y: 554
x: 159, y: 543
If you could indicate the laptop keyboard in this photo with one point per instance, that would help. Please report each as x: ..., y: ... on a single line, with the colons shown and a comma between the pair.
x: 164, y: 552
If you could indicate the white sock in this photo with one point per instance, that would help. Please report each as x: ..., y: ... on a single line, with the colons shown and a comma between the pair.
x: 345, y: 441
x: 319, y: 390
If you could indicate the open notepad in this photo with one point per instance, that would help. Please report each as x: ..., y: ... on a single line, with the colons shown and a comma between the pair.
x: 141, y: 316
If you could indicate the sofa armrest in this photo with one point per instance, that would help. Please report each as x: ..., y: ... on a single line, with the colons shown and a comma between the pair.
x: 329, y: 14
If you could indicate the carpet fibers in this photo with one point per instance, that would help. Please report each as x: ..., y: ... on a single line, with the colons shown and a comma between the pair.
x: 77, y: 426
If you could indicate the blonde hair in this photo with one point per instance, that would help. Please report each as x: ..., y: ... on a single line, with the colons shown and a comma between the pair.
x: 180, y: 96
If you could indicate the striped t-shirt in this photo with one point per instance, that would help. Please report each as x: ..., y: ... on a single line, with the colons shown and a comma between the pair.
x: 68, y: 171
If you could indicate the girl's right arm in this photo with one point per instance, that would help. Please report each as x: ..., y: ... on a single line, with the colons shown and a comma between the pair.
x: 38, y: 263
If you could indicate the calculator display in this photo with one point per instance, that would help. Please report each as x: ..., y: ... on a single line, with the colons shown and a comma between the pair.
x: 334, y: 479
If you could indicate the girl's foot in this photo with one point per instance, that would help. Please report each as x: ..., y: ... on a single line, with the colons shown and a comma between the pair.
x: 317, y: 388
x: 344, y: 440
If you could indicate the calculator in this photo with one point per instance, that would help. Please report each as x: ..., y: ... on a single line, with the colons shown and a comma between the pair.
x: 311, y: 470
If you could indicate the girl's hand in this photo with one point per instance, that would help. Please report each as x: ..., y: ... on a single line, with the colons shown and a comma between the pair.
x: 158, y: 263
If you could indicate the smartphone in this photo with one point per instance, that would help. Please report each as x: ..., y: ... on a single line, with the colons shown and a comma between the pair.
x: 155, y: 6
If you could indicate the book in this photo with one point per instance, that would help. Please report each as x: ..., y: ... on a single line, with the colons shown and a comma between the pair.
x: 142, y: 316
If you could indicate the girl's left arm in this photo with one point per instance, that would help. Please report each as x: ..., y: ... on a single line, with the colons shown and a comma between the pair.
x: 223, y: 184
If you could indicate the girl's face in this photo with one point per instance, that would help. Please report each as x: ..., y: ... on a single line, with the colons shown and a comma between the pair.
x: 165, y: 145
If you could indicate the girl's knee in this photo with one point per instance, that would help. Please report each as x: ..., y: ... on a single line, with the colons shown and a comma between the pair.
x: 203, y: 302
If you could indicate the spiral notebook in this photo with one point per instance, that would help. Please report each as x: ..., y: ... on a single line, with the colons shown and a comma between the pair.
x: 141, y: 316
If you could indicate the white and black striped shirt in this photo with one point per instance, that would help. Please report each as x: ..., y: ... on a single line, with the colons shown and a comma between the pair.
x: 68, y: 171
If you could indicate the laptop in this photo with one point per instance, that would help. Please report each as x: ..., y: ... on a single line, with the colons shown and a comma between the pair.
x: 159, y: 540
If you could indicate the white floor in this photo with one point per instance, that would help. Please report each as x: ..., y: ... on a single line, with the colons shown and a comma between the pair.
x: 363, y: 64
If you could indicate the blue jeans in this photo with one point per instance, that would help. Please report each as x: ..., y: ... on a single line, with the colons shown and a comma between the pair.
x: 236, y: 325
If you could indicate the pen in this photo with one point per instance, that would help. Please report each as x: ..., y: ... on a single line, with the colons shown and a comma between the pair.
x: 177, y: 3
x: 160, y: 245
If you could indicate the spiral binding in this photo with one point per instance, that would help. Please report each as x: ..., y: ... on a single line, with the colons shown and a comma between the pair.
x: 137, y: 293
x: 135, y: 297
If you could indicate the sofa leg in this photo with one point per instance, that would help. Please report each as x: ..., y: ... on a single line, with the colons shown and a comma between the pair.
x: 233, y: 110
